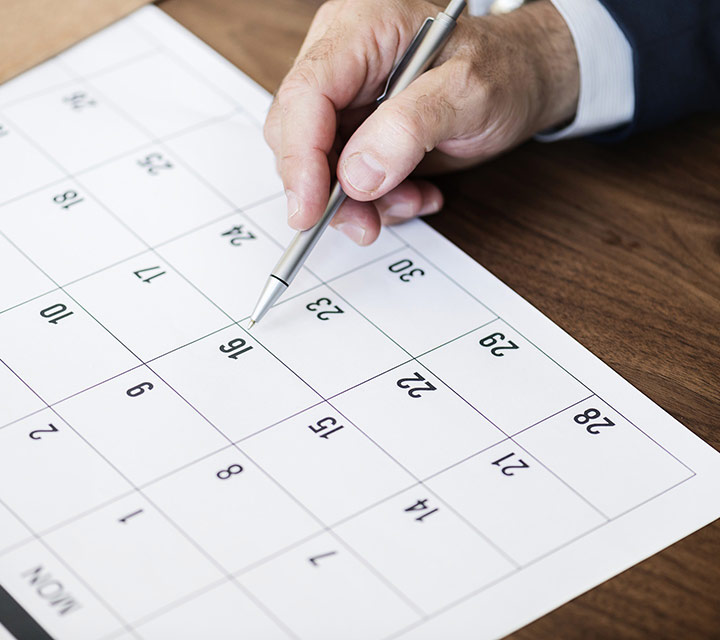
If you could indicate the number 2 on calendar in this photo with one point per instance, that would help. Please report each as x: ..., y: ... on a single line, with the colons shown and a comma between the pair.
x: 497, y: 344
x: 414, y: 386
x: 322, y: 312
x: 509, y: 463
x: 592, y: 414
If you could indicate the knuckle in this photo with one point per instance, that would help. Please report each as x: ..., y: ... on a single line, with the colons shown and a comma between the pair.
x: 327, y: 10
x: 408, y: 123
x: 300, y: 79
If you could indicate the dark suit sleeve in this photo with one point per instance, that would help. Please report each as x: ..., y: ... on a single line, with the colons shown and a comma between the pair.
x: 676, y: 56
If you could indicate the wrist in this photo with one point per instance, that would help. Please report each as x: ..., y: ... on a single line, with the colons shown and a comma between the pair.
x: 554, y: 70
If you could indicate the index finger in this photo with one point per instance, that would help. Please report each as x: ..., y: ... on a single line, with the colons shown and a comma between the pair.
x: 342, y: 67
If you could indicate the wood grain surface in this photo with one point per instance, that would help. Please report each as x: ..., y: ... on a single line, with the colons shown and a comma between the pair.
x: 620, y: 246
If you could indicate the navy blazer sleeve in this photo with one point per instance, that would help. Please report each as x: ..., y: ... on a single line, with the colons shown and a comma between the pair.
x: 676, y: 54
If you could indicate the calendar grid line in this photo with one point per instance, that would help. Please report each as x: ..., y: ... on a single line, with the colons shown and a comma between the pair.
x: 552, y: 415
x: 188, y: 67
x: 235, y: 323
x: 550, y: 357
x: 139, y: 487
x: 573, y: 489
x: 309, y: 511
x: 651, y: 498
x: 161, y: 512
x: 517, y: 444
x: 70, y: 176
x: 501, y: 318
x: 239, y: 573
x: 60, y: 287
x: 209, y: 557
x: 419, y: 482
x: 162, y: 140
x: 74, y: 518
x: 120, y: 620
x: 461, y: 517
x: 475, y: 454
x: 533, y: 561
x: 442, y: 271
x: 672, y: 455
x: 67, y: 83
x: 44, y: 543
x: 287, y: 298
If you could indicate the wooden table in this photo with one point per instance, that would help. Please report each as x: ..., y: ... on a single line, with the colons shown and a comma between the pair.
x: 620, y: 246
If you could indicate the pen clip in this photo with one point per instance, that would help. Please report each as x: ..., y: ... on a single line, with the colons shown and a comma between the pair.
x: 402, y: 63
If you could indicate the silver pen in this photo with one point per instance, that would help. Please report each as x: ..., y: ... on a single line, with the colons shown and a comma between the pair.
x: 424, y: 48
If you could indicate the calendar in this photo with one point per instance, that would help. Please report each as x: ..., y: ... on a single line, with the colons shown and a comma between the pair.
x: 403, y: 448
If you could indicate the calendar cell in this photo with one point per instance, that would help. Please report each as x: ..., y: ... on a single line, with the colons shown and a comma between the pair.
x: 235, y: 382
x: 518, y: 504
x: 412, y: 301
x: 154, y: 194
x: 138, y: 561
x: 16, y: 399
x: 24, y: 280
x: 54, y: 595
x: 334, y: 255
x: 75, y: 351
x: 172, y: 311
x: 424, y: 549
x: 67, y: 233
x: 39, y: 485
x: 162, y: 97
x: 75, y: 126
x: 221, y: 613
x: 23, y: 166
x: 115, y: 45
x: 612, y: 463
x: 12, y: 530
x: 237, y: 257
x: 244, y: 172
x: 232, y: 509
x: 505, y: 377
x: 327, y: 463
x: 322, y: 591
x: 44, y: 76
x: 331, y: 345
x: 130, y: 436
x: 408, y: 416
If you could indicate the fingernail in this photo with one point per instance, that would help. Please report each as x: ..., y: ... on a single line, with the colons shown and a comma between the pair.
x: 353, y: 231
x: 364, y: 172
x: 431, y: 207
x: 398, y: 210
x: 293, y: 204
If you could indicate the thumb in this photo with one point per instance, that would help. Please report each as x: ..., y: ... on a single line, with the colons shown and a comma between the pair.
x: 388, y: 146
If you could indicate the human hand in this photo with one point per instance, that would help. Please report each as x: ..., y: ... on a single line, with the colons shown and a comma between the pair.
x: 498, y: 81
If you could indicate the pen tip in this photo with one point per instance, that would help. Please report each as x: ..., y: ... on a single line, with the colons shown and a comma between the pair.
x: 252, y: 324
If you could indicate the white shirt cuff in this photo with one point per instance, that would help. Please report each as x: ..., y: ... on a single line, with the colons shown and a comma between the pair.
x: 607, y: 90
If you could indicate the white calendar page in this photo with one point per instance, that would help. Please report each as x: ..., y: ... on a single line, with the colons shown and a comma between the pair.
x: 403, y: 448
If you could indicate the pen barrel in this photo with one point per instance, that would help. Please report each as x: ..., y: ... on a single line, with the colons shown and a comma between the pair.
x: 304, y: 241
x: 427, y: 51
